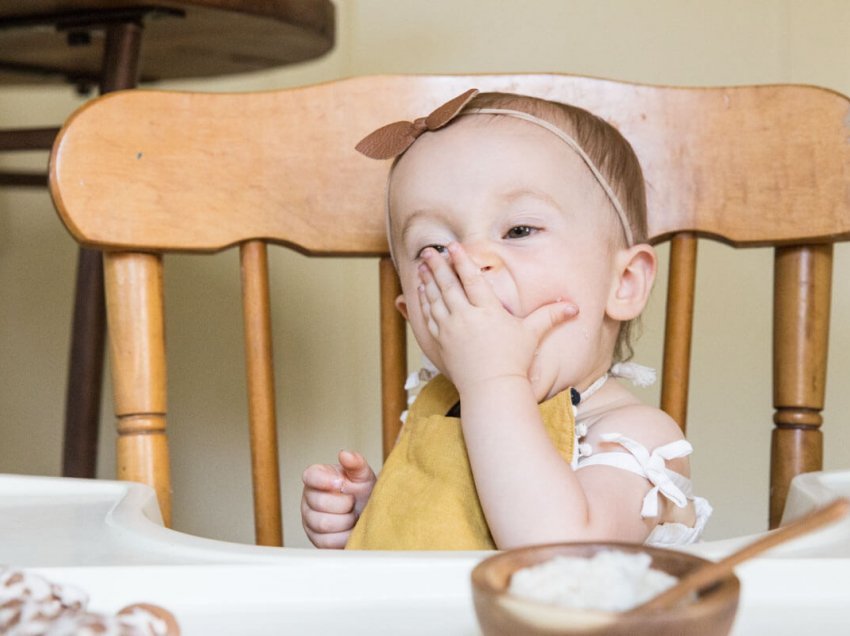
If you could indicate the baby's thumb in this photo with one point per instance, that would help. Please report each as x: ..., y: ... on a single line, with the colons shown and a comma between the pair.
x: 354, y: 467
x: 549, y: 316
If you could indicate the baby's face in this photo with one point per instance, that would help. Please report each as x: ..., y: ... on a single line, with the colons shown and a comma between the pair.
x: 531, y: 216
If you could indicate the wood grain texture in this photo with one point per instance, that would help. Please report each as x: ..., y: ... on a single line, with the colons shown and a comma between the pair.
x: 142, y: 456
x: 793, y: 451
x: 678, y: 327
x: 134, y: 308
x: 802, y: 301
x: 185, y: 38
x: 137, y: 347
x: 501, y: 613
x: 120, y: 69
x: 749, y: 166
x: 85, y: 369
x: 256, y: 306
x: 802, y: 298
x: 393, y: 356
x: 698, y: 148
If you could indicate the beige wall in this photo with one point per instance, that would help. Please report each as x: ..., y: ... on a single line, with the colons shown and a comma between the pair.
x: 325, y: 311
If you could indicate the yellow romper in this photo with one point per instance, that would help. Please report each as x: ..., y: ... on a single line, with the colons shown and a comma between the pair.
x: 425, y: 498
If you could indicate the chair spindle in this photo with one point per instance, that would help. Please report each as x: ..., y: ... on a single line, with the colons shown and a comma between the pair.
x: 265, y: 469
x: 801, y: 296
x: 393, y: 356
x: 137, y: 353
x: 678, y: 329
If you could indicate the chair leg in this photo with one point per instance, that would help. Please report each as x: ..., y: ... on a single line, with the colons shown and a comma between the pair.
x: 88, y: 333
x: 802, y: 279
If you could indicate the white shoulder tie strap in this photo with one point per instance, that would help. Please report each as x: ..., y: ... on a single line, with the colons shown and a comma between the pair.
x: 637, y: 374
x: 652, y: 466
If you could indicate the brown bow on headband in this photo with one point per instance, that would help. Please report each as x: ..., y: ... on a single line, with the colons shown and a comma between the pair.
x: 393, y: 139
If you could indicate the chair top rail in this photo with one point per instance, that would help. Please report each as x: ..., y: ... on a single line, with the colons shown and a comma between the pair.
x: 747, y: 165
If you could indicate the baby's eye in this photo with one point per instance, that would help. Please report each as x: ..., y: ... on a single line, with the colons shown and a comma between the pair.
x: 440, y: 249
x: 520, y: 231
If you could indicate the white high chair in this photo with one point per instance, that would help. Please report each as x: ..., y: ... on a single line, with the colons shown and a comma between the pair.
x: 139, y: 174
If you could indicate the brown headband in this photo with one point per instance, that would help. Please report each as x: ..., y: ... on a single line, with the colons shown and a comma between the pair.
x: 394, y: 139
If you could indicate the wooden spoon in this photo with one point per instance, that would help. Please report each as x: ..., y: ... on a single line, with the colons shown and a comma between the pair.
x: 710, y: 573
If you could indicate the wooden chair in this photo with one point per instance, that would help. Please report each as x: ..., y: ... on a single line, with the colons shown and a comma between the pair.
x: 749, y: 166
x: 99, y: 42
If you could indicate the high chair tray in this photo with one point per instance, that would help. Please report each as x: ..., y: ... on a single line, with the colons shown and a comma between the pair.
x: 105, y: 538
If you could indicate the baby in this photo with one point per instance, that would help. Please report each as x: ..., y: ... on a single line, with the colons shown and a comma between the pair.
x: 518, y: 230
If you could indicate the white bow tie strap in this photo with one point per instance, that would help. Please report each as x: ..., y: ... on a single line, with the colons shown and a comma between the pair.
x: 649, y: 465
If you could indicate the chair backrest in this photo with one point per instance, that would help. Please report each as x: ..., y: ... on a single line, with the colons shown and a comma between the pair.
x: 141, y: 173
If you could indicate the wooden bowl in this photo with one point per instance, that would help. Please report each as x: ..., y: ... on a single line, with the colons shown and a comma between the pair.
x: 502, y: 614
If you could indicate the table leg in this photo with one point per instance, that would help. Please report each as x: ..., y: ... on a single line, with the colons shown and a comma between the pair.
x: 85, y: 372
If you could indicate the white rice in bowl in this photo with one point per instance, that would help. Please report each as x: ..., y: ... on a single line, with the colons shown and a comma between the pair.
x: 611, y: 581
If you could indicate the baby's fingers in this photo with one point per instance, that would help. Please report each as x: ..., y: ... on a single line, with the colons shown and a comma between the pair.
x: 427, y: 314
x: 547, y: 317
x: 326, y: 530
x: 355, y: 468
x: 335, y: 541
x: 442, y: 284
x: 323, y: 477
x: 325, y: 523
x: 334, y: 503
x: 478, y: 290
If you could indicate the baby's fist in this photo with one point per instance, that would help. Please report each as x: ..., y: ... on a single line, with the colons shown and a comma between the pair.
x: 333, y: 498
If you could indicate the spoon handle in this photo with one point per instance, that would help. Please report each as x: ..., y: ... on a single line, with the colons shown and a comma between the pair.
x: 710, y: 573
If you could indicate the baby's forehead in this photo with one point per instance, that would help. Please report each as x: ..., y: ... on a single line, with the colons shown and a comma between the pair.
x: 501, y: 155
x: 474, y: 139
x: 481, y: 129
x: 563, y: 152
x: 485, y: 159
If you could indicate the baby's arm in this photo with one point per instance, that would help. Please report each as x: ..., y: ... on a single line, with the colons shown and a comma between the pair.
x: 333, y: 498
x: 529, y: 494
x: 618, y: 494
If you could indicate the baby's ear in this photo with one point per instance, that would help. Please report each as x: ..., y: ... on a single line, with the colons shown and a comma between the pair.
x: 401, y: 305
x: 634, y: 276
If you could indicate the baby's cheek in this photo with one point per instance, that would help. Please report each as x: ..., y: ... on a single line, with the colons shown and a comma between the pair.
x: 538, y: 290
x: 564, y: 348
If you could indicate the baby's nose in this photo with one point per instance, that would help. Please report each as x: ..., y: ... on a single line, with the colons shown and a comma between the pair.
x: 486, y: 258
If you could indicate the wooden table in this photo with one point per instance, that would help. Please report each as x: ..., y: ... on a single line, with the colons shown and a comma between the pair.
x: 62, y: 40
x: 114, y: 44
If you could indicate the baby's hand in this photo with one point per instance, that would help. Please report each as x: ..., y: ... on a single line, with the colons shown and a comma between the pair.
x: 479, y: 338
x: 334, y: 496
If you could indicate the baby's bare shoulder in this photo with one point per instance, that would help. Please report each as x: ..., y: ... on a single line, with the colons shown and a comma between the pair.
x: 645, y: 424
